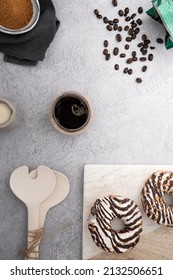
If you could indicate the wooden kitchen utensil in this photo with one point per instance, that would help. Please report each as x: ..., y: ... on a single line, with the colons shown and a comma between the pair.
x: 32, y: 192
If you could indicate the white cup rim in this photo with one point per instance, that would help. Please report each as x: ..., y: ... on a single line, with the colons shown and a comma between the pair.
x: 8, y: 123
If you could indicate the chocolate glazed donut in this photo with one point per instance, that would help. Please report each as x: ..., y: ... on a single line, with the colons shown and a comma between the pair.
x: 159, y: 183
x: 103, y: 212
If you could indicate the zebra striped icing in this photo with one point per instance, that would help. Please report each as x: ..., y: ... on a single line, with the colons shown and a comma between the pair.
x: 159, y: 183
x: 103, y: 212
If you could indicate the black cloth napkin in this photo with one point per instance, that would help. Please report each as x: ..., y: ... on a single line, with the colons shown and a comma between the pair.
x: 30, y: 47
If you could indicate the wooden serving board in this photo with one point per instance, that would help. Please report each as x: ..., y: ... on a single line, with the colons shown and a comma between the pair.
x: 125, y: 180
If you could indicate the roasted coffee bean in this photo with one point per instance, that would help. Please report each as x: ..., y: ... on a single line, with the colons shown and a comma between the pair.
x: 150, y: 57
x: 147, y: 41
x: 116, y: 67
x: 135, y: 58
x: 133, y: 36
x: 139, y: 21
x: 122, y: 55
x: 114, y: 3
x: 105, y: 43
x: 116, y: 20
x: 130, y: 71
x: 108, y: 56
x: 126, y: 46
x: 105, y: 20
x: 99, y: 16
x: 126, y: 70
x: 144, y: 52
x: 144, y: 68
x: 145, y: 46
x: 139, y: 80
x: 159, y: 40
x: 137, y: 30
x: 126, y: 11
x: 140, y: 45
x: 120, y: 12
x: 115, y: 26
x: 134, y: 25
x: 120, y: 28
x: 126, y: 28
x: 133, y: 16
x: 96, y: 12
x: 115, y: 51
x: 128, y: 39
x: 110, y: 22
x: 152, y: 48
x: 131, y: 31
x: 127, y: 18
x: 144, y: 37
x: 109, y: 28
x: 133, y: 53
x: 129, y: 60
x: 142, y: 49
x: 140, y: 10
x: 142, y: 58
x: 105, y: 51
x: 118, y: 37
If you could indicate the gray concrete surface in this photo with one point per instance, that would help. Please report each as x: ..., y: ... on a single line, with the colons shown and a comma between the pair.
x: 132, y: 123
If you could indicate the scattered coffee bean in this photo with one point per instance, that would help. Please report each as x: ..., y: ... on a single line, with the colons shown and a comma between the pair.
x: 133, y: 36
x: 150, y: 57
x: 145, y: 52
x: 128, y: 39
x: 126, y: 11
x: 142, y: 49
x: 139, y: 80
x: 147, y: 41
x: 139, y: 21
x: 116, y: 20
x: 131, y: 31
x: 152, y: 48
x: 126, y: 28
x: 114, y: 3
x: 122, y: 55
x: 108, y: 56
x: 126, y: 70
x: 126, y: 46
x: 129, y: 60
x: 159, y: 41
x: 133, y: 16
x: 105, y: 43
x: 105, y: 20
x: 127, y: 18
x: 145, y: 46
x: 99, y: 16
x: 120, y: 28
x: 96, y: 12
x: 144, y: 68
x: 115, y: 26
x: 137, y: 30
x: 140, y: 45
x: 115, y: 51
x: 134, y: 25
x: 118, y: 37
x: 110, y: 22
x: 105, y: 51
x: 130, y: 71
x: 144, y: 37
x: 142, y: 58
x: 121, y: 13
x: 116, y: 67
x: 133, y: 53
x: 135, y: 58
x: 140, y: 10
x: 109, y: 28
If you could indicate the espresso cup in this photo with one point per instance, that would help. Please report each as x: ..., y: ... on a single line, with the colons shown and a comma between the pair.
x: 70, y: 113
x: 7, y: 114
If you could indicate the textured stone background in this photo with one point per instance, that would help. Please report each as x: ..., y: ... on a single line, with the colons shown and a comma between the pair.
x: 132, y: 123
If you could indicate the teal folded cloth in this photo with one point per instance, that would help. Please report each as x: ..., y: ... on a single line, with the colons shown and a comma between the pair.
x: 31, y: 47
